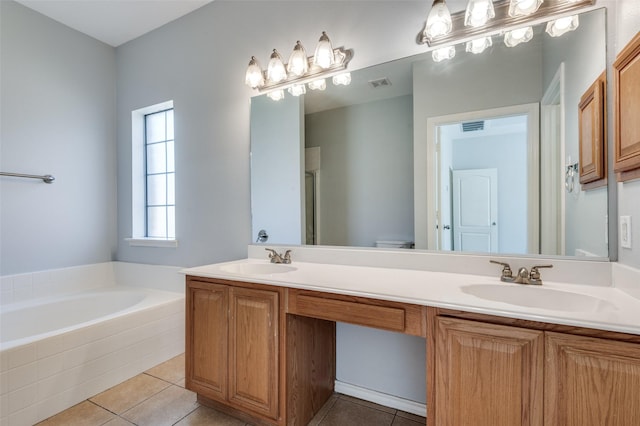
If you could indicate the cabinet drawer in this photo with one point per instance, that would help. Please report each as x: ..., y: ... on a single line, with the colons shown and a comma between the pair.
x: 393, y: 316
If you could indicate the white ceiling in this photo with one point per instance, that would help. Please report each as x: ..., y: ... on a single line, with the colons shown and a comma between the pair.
x: 117, y: 21
x: 114, y: 21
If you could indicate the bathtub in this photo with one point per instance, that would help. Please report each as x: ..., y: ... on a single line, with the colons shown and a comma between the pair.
x: 68, y: 334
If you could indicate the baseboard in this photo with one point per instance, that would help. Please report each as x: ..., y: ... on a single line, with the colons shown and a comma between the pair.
x: 381, y: 398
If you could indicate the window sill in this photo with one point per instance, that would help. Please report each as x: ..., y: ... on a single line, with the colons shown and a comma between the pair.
x: 152, y: 242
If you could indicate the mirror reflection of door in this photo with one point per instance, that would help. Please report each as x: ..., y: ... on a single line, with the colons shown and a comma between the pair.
x: 475, y: 159
x: 475, y: 210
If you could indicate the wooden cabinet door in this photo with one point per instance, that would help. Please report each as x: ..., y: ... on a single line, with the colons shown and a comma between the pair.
x: 253, y: 350
x: 592, y: 131
x: 207, y: 337
x: 591, y: 382
x: 488, y: 375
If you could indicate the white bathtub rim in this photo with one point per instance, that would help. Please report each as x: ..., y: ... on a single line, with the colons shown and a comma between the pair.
x: 166, y: 298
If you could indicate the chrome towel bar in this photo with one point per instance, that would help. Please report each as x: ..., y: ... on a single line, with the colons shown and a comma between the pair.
x: 45, y: 178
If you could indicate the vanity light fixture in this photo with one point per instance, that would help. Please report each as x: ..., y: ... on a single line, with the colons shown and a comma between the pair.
x: 478, y: 45
x: 275, y: 69
x: 300, y: 70
x: 520, y: 35
x: 438, y: 21
x: 562, y: 26
x: 254, y: 77
x: 478, y: 12
x: 343, y: 79
x: 320, y: 84
x: 443, y: 53
x: 507, y: 15
x: 276, y: 95
x: 324, y: 52
x: 297, y: 89
x: 523, y: 7
x: 298, y: 63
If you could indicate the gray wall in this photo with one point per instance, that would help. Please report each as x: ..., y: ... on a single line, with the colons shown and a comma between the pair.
x: 366, y: 171
x: 199, y: 61
x: 58, y: 117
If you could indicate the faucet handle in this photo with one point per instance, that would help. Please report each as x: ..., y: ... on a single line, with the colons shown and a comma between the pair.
x: 535, y: 273
x: 274, y: 256
x: 507, y: 273
x: 287, y: 257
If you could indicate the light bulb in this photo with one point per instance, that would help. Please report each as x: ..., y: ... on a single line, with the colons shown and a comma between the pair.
x: 438, y: 20
x: 318, y: 84
x: 343, y: 79
x: 276, y: 95
x: 254, y: 78
x: 478, y: 45
x: 563, y: 25
x: 520, y: 35
x: 298, y: 63
x: 478, y: 13
x: 443, y: 53
x: 275, y: 69
x: 324, y: 52
x: 523, y: 7
x: 297, y: 89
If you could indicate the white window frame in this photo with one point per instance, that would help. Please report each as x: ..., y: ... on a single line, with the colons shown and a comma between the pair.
x: 138, y: 177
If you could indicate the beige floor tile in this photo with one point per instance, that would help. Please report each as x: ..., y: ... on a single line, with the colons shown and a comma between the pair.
x: 130, y: 393
x: 346, y: 412
x: 403, y: 421
x: 83, y: 414
x: 164, y: 408
x: 205, y: 416
x: 118, y: 421
x: 171, y: 371
x: 369, y: 404
x: 322, y: 413
x: 411, y: 416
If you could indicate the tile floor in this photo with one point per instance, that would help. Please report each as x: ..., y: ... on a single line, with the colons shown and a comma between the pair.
x: 157, y: 397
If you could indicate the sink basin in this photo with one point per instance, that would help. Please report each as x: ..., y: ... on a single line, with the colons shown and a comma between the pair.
x: 538, y: 297
x: 257, y: 268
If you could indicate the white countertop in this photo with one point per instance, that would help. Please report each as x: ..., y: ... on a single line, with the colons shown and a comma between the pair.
x: 607, y: 307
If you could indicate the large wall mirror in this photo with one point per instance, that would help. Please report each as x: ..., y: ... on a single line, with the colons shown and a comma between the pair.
x: 470, y: 154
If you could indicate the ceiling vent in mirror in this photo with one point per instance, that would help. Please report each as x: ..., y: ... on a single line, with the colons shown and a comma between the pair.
x: 473, y: 126
x: 381, y: 82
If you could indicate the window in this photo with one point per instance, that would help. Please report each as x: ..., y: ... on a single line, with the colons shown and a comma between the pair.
x: 160, y: 175
x: 153, y: 177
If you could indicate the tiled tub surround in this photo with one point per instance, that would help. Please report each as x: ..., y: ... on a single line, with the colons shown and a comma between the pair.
x: 56, y: 364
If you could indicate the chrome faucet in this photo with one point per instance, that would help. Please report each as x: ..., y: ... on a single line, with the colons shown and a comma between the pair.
x: 278, y: 258
x: 523, y: 276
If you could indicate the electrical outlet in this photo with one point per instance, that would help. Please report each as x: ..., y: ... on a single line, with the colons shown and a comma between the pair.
x: 625, y: 231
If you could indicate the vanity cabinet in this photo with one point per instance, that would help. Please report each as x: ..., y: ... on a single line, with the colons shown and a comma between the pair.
x: 488, y: 374
x: 233, y: 337
x: 496, y: 374
x: 591, y: 382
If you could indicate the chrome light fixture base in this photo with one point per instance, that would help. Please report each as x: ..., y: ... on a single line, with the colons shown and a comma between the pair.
x: 549, y: 10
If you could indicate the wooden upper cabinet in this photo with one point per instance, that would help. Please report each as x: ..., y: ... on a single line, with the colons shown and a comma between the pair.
x: 591, y: 382
x: 487, y: 374
x: 626, y: 73
x: 592, y: 131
